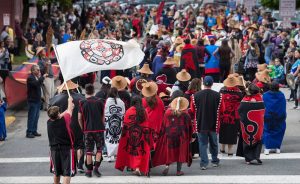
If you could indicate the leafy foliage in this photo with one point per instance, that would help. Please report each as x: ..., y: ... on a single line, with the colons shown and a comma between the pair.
x: 274, y: 4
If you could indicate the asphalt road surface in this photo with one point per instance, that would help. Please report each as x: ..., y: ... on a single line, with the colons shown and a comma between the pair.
x: 25, y: 160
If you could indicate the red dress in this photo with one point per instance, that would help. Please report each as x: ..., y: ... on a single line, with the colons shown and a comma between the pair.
x: 135, y: 143
x: 173, y: 144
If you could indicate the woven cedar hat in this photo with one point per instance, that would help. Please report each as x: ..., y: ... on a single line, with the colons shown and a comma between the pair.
x: 253, y: 26
x: 169, y: 61
x: 179, y: 48
x: 145, y: 69
x: 71, y: 85
x: 183, y: 76
x: 231, y: 81
x: 261, y: 67
x: 179, y: 40
x: 237, y: 26
x: 179, y: 103
x: 119, y: 82
x: 194, y: 41
x: 263, y: 76
x: 149, y: 89
x: 240, y: 78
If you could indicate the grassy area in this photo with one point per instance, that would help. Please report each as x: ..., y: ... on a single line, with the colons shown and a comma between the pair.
x: 20, y: 59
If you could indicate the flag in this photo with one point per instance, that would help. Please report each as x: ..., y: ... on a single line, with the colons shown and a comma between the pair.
x: 159, y: 11
x: 80, y: 57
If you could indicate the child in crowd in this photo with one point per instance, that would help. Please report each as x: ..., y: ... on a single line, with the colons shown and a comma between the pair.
x: 278, y: 72
x: 271, y: 67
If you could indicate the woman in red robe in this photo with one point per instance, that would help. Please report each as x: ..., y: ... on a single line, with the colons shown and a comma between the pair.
x: 175, y: 136
x: 154, y: 107
x: 136, y: 140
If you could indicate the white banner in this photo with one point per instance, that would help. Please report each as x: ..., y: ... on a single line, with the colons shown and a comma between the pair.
x: 287, y: 8
x: 80, y: 57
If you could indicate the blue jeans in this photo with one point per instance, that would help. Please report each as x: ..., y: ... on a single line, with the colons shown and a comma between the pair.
x: 268, y: 53
x: 33, y: 117
x: 203, y: 139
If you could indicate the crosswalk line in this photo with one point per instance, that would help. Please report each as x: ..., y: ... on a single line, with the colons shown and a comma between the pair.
x: 241, y: 179
x: 222, y: 157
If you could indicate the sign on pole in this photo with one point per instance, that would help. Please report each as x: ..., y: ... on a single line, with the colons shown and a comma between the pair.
x: 287, y: 8
x: 249, y: 5
x: 32, y: 12
x: 232, y: 4
x: 6, y: 19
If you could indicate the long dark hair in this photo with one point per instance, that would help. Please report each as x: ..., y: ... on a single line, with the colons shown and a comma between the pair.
x: 113, y: 93
x: 151, y: 101
x: 136, y: 101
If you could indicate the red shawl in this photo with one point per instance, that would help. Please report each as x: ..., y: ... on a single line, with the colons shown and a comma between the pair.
x: 251, y: 113
x: 135, y: 143
x: 230, y: 101
x: 174, y: 140
x: 155, y: 115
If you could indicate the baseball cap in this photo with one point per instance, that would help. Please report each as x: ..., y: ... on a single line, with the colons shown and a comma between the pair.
x: 208, y: 81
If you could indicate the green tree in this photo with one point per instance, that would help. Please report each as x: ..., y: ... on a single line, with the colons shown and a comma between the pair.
x: 274, y: 4
x: 64, y: 4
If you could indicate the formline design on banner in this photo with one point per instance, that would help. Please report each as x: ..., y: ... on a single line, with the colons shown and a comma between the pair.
x: 101, y: 52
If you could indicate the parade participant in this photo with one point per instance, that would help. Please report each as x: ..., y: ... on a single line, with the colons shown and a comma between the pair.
x: 154, y: 106
x: 169, y: 71
x: 46, y: 68
x: 189, y: 59
x: 182, y: 83
x: 121, y: 83
x: 274, y: 121
x: 175, y: 136
x: 114, y: 111
x: 91, y: 120
x: 205, y: 104
x: 159, y: 59
x: 251, y: 112
x: 34, y: 95
x: 202, y: 52
x: 61, y: 100
x: 228, y: 120
x: 145, y: 72
x: 194, y: 87
x: 2, y: 120
x: 212, y: 67
x: 136, y: 141
x: 263, y: 80
x: 61, y: 142
x: 106, y: 85
x: 224, y: 53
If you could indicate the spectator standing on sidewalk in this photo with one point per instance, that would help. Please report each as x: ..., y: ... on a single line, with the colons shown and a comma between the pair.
x: 34, y: 94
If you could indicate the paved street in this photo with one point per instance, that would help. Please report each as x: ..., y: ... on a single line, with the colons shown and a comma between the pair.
x: 25, y: 160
